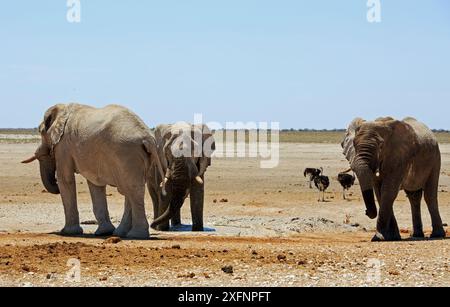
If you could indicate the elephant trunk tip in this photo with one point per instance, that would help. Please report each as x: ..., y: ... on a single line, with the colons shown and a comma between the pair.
x: 369, y: 200
x: 199, y: 180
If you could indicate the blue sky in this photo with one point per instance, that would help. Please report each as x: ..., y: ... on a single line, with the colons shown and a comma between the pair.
x: 305, y: 64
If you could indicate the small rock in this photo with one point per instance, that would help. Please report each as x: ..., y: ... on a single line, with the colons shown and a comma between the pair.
x: 215, y: 201
x: 281, y: 258
x: 228, y: 269
x: 113, y: 240
x: 302, y: 262
x: 394, y: 273
x: 104, y: 278
x: 26, y: 268
x: 188, y: 275
x: 224, y: 200
x: 177, y: 246
x: 254, y: 253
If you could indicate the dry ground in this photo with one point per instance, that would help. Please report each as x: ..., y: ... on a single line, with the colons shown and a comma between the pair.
x: 269, y: 228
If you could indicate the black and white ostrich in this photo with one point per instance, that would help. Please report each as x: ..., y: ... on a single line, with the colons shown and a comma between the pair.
x: 346, y: 180
x: 311, y: 173
x: 322, y: 183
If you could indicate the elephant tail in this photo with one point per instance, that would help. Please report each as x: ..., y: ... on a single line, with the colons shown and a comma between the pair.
x: 151, y: 149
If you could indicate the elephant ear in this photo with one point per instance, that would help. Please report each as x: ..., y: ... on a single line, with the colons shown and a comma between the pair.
x: 54, y: 124
x: 347, y: 144
x: 209, y: 143
x: 400, y: 140
x: 163, y: 136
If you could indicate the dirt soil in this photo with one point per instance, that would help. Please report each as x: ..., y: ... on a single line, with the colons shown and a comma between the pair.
x: 264, y: 228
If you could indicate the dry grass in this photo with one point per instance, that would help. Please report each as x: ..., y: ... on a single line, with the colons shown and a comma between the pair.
x: 321, y: 137
x: 443, y: 137
x: 21, y: 131
x: 324, y: 137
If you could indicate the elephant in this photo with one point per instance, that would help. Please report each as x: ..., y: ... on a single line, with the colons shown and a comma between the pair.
x: 108, y: 146
x: 389, y: 155
x: 185, y: 152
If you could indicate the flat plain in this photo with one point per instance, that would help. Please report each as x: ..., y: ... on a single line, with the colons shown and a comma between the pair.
x: 265, y: 227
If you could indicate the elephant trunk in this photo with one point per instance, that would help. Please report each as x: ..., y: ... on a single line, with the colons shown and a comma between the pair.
x: 174, y: 206
x: 48, y: 174
x: 204, y: 162
x: 365, y: 177
x: 178, y: 186
x: 197, y: 170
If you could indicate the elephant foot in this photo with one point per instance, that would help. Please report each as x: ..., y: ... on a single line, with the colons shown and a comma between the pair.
x: 176, y: 224
x: 163, y: 227
x: 379, y: 237
x: 72, y: 231
x: 105, y: 230
x: 121, y: 231
x: 418, y: 235
x: 438, y: 234
x: 198, y: 228
x: 138, y: 234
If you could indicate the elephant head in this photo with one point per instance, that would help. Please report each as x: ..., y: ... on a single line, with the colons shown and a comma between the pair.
x: 185, y: 152
x: 375, y: 149
x: 51, y: 130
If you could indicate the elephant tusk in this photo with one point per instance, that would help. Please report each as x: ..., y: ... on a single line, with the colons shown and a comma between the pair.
x: 27, y: 161
x: 199, y: 180
x: 163, y: 184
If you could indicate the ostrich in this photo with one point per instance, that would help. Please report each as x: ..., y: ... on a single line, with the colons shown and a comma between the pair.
x: 312, y: 173
x: 322, y: 183
x: 346, y: 181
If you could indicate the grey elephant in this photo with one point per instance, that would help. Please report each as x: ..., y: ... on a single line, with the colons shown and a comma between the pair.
x: 108, y: 146
x: 387, y: 156
x: 185, y: 152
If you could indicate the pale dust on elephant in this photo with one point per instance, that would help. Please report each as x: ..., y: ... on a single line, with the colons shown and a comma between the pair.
x: 387, y: 156
x: 109, y: 146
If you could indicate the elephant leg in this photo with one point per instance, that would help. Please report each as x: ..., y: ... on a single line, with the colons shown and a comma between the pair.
x: 100, y: 206
x: 158, y: 208
x: 140, y: 226
x: 68, y: 189
x: 387, y: 228
x: 176, y: 220
x: 125, y: 223
x: 197, y: 205
x: 394, y: 230
x: 431, y: 198
x: 162, y: 208
x: 415, y: 198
